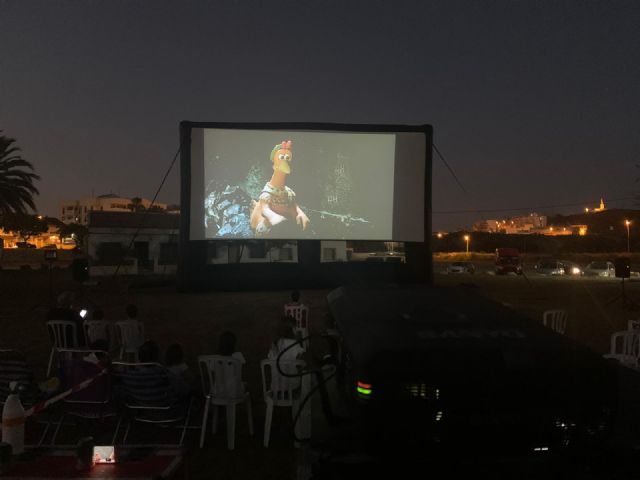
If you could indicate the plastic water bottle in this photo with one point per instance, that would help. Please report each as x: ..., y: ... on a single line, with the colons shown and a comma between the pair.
x: 13, y: 421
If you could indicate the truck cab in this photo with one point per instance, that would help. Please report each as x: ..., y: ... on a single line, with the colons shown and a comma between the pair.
x: 507, y: 261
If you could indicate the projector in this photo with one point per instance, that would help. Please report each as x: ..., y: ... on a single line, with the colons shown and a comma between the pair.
x: 430, y: 372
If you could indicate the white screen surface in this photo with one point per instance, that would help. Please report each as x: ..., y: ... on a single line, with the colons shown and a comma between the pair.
x: 336, y: 185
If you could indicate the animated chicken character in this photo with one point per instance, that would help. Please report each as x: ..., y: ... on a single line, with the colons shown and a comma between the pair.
x: 277, y: 202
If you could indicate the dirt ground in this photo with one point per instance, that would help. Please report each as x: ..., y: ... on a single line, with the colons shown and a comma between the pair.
x: 196, y: 320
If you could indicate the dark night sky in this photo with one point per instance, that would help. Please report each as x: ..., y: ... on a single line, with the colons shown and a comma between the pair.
x: 532, y: 102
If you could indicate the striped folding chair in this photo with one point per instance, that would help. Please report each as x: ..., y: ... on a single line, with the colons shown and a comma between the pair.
x: 148, y: 396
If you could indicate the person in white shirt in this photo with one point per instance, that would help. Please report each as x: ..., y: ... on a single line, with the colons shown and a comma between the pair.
x: 287, y: 345
x: 227, y: 348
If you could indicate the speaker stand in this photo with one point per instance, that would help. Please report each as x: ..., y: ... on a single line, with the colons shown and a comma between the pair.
x: 624, y: 298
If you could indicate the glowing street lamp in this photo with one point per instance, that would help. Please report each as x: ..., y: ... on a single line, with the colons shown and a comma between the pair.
x: 627, y: 223
x: 466, y: 239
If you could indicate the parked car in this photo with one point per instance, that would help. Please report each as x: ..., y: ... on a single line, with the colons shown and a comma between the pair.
x: 25, y: 245
x: 571, y: 268
x: 461, y: 267
x: 600, y: 269
x: 550, y: 267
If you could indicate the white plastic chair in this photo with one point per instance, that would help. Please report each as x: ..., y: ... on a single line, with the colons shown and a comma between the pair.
x: 63, y: 334
x: 625, y: 348
x: 281, y: 391
x: 556, y: 320
x: 223, y: 387
x: 301, y: 314
x: 97, y: 330
x: 130, y: 335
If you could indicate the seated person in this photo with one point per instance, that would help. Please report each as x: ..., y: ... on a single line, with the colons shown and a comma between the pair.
x: 150, y: 384
x: 227, y: 346
x: 285, y: 349
x: 96, y: 333
x: 131, y: 331
x: 285, y: 340
x: 65, y: 311
x: 180, y: 376
x: 132, y: 312
x: 295, y: 299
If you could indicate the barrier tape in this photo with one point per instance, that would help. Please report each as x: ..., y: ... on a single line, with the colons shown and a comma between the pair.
x: 40, y: 406
x: 13, y: 421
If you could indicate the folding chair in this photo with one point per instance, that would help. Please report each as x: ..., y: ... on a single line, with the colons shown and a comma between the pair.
x: 148, y: 397
x: 282, y: 391
x: 130, y: 335
x: 63, y: 334
x: 223, y: 387
x: 93, y: 402
x: 556, y: 320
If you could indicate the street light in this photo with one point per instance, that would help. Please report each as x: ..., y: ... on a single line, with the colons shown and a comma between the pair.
x: 627, y: 223
x: 466, y: 239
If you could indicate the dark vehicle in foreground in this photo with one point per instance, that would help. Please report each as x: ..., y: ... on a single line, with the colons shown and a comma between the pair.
x: 600, y: 269
x: 508, y: 261
x: 461, y: 267
x: 437, y: 373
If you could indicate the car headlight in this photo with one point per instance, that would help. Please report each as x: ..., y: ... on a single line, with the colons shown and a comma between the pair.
x: 575, y: 271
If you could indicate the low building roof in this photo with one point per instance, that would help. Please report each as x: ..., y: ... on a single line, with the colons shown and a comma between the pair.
x: 99, y: 219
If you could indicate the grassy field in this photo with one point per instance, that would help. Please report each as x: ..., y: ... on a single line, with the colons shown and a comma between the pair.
x: 196, y: 320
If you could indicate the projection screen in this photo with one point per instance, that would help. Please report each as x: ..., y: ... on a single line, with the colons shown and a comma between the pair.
x: 262, y: 183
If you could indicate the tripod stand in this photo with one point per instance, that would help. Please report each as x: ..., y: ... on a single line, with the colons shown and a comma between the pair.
x: 626, y: 301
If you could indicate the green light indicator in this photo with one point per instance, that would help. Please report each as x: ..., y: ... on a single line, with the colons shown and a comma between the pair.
x: 363, y: 388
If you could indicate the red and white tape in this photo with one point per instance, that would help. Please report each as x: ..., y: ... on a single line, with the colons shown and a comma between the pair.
x: 40, y: 406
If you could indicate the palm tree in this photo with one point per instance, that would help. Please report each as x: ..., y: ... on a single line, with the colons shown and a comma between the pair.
x: 136, y: 204
x: 16, y: 180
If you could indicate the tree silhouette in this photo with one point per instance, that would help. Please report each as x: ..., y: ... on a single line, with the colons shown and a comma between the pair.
x: 136, y: 205
x: 27, y: 226
x: 16, y: 180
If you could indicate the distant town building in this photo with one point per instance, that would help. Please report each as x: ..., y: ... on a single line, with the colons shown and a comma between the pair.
x: 77, y: 211
x: 490, y: 226
x: 50, y: 238
x: 531, y: 223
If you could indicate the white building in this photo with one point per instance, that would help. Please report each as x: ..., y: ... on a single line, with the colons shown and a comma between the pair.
x: 77, y: 211
x: 491, y: 226
x: 531, y: 221
x: 154, y: 249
